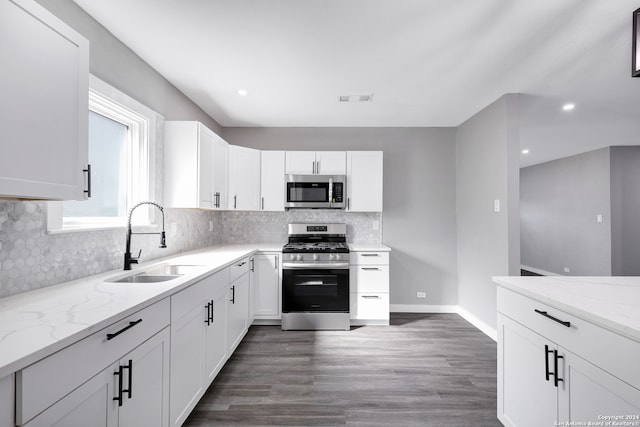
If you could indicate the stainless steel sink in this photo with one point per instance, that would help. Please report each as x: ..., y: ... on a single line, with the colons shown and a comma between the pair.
x: 159, y: 273
x: 146, y: 278
x: 173, y: 269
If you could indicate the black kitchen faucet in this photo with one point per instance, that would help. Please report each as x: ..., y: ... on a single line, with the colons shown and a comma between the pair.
x: 128, y: 259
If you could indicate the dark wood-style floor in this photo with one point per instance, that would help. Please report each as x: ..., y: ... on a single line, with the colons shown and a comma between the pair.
x: 423, y: 370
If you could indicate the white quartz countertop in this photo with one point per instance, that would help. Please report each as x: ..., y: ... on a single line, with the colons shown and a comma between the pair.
x: 374, y: 247
x: 36, y: 324
x: 611, y: 302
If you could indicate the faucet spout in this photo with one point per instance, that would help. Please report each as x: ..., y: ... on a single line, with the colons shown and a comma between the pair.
x: 128, y: 258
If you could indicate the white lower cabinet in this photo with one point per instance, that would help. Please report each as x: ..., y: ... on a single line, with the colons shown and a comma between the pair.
x: 551, y: 372
x: 130, y: 393
x: 7, y: 401
x: 238, y: 311
x: 198, y: 341
x: 369, y: 287
x: 47, y: 391
x: 266, y: 282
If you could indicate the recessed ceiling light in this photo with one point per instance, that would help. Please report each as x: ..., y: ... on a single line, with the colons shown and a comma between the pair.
x: 525, y: 151
x: 242, y: 92
x: 568, y: 107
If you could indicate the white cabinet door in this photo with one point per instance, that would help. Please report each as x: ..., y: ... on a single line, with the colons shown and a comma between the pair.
x: 331, y: 163
x: 272, y: 181
x: 145, y: 391
x: 91, y: 404
x: 300, y: 162
x: 267, y: 286
x: 588, y: 392
x: 364, y: 181
x: 237, y: 311
x: 216, y: 335
x: 7, y: 401
x: 187, y: 361
x: 195, y: 166
x: 525, y: 396
x: 205, y: 168
x: 220, y: 173
x: 244, y: 178
x: 44, y: 107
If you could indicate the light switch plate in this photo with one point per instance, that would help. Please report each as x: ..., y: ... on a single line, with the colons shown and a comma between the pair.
x: 496, y: 205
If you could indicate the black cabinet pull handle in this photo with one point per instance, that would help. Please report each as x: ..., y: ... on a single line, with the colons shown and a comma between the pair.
x: 131, y: 325
x: 88, y: 190
x: 235, y: 200
x: 253, y: 265
x: 128, y: 390
x: 555, y: 319
x: 233, y: 295
x: 211, y: 311
x: 208, y: 307
x: 119, y: 396
x: 556, y: 377
x: 547, y: 374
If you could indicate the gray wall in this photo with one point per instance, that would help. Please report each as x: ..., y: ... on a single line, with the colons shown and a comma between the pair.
x: 116, y: 64
x: 419, y: 197
x: 625, y: 211
x: 487, y: 169
x: 559, y: 203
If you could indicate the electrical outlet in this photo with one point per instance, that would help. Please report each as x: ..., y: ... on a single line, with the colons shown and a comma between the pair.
x: 174, y: 228
x: 567, y: 270
x: 599, y: 218
x: 376, y: 225
x: 210, y: 225
x: 421, y: 295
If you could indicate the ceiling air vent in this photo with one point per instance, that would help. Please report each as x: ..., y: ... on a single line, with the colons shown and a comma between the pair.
x: 356, y: 98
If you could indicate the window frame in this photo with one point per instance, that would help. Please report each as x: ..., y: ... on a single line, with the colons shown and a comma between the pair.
x: 142, y: 122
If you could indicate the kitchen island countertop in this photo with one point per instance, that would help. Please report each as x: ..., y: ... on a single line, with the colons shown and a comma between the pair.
x: 38, y: 323
x: 611, y: 302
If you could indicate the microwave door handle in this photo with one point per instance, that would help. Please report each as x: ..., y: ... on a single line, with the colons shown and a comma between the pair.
x: 330, y: 191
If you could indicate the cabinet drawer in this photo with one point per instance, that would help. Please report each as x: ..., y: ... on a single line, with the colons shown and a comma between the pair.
x: 47, y: 381
x: 369, y: 306
x: 369, y: 278
x: 184, y: 301
x: 613, y: 353
x: 370, y: 258
x: 238, y: 269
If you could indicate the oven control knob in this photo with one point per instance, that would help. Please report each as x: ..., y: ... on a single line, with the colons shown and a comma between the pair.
x: 337, y: 257
x: 330, y: 257
x: 315, y: 257
x: 299, y: 257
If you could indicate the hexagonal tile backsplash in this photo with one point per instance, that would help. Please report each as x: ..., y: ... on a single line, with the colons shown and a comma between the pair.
x: 31, y: 259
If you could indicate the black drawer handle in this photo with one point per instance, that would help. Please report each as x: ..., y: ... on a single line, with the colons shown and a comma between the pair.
x: 131, y: 325
x: 119, y: 375
x: 371, y: 269
x: 370, y: 254
x: 555, y: 319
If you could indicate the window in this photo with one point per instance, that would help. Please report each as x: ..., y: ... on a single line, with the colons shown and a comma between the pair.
x: 121, y: 138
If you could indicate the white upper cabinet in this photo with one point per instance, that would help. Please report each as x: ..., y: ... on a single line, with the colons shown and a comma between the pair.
x: 195, y: 167
x: 44, y: 105
x: 316, y: 162
x: 364, y: 181
x: 272, y: 181
x: 244, y: 178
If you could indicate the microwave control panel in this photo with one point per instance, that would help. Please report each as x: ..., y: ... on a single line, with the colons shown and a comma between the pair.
x: 337, y: 193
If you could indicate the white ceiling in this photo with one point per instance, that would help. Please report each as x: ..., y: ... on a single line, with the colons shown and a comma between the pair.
x: 427, y: 62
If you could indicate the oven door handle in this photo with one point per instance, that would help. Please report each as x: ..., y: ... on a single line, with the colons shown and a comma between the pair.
x: 311, y: 265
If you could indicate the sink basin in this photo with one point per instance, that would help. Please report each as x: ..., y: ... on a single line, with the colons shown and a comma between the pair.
x: 172, y: 269
x: 159, y: 273
x: 146, y: 278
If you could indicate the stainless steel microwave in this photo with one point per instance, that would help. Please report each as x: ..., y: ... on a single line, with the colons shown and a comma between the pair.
x: 315, y: 192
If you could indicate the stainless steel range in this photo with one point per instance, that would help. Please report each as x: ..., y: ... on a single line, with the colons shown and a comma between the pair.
x: 315, y: 277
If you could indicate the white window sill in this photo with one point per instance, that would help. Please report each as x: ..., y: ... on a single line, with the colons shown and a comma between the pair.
x: 80, y: 229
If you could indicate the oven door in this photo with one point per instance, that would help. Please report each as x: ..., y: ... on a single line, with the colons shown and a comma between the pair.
x: 315, y: 290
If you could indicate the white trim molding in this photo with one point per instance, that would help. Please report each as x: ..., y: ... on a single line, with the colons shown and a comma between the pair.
x: 417, y: 308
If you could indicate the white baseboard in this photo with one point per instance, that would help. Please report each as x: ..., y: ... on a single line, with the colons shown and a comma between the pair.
x: 416, y: 308
x: 486, y: 329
